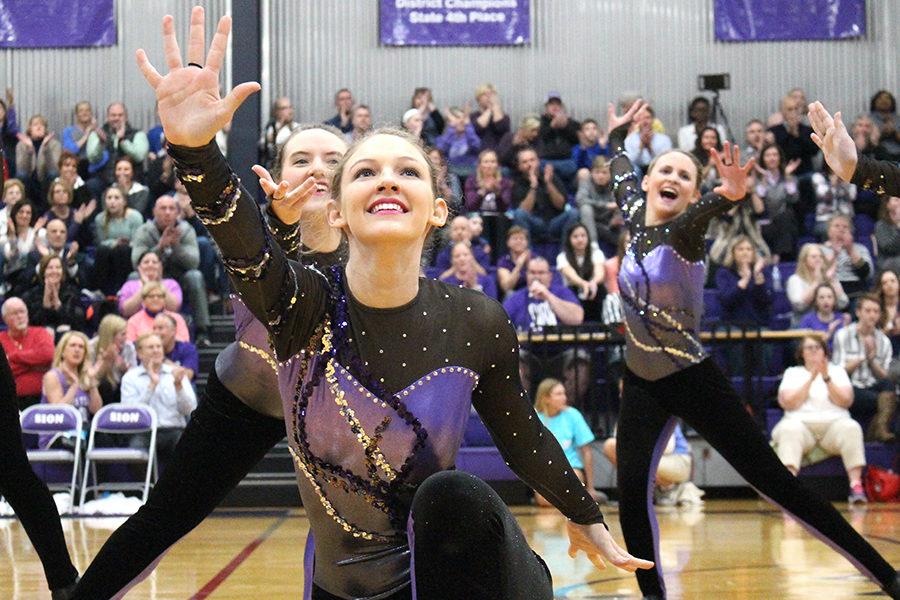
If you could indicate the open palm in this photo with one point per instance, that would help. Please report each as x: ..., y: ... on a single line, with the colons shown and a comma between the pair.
x: 732, y: 174
x: 191, y: 109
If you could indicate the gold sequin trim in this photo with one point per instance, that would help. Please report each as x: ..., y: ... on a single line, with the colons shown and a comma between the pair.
x: 261, y: 353
x: 232, y: 207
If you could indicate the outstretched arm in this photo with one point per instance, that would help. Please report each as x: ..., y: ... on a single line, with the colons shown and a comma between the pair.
x: 625, y: 181
x: 288, y: 299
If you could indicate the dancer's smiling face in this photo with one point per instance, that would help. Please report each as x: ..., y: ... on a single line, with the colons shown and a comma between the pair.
x: 671, y: 185
x: 386, y: 192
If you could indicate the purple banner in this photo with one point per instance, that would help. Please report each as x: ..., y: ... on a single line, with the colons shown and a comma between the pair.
x: 454, y: 22
x: 772, y: 20
x: 57, y: 23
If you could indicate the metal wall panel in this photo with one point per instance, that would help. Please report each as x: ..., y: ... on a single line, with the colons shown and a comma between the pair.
x: 591, y: 51
x: 51, y: 81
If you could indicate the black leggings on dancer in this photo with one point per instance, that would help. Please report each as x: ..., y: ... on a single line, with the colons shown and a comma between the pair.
x: 468, y: 546
x: 703, y: 397
x: 222, y: 442
x: 28, y: 496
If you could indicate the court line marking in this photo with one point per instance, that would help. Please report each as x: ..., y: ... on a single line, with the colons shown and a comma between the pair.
x: 240, y: 557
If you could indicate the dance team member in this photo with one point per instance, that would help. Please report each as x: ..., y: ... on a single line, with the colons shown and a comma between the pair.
x: 880, y: 176
x: 669, y: 374
x: 29, y: 497
x: 374, y: 435
x: 239, y: 418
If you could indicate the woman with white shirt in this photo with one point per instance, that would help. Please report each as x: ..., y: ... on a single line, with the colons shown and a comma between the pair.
x: 582, y: 266
x: 816, y: 398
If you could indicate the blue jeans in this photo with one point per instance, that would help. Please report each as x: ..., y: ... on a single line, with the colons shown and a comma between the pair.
x: 541, y: 230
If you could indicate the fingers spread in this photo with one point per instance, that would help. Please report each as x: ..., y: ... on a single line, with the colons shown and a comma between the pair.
x: 170, y: 43
x: 196, y: 40
x: 236, y: 97
x: 150, y: 73
x: 219, y: 44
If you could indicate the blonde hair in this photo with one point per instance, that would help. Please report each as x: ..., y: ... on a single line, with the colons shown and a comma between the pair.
x: 61, y: 347
x: 543, y: 392
x: 110, y: 326
x: 151, y: 286
x: 10, y: 183
x: 698, y: 177
x: 729, y: 258
x: 802, y: 270
x: 484, y: 88
x: 143, y: 338
x: 529, y: 122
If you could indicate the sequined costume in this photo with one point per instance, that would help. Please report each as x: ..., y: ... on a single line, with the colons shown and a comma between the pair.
x: 668, y: 374
x: 879, y: 176
x: 375, y: 400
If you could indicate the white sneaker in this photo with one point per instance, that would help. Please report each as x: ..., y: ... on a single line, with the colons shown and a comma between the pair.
x: 688, y: 493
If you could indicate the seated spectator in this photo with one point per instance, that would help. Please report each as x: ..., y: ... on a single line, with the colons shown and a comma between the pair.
x: 644, y: 144
x: 865, y: 353
x: 361, y: 118
x: 13, y: 191
x: 113, y: 231
x: 673, y: 473
x: 865, y: 136
x: 149, y: 268
x: 412, y: 122
x: 570, y: 429
x: 37, y: 155
x: 883, y: 110
x: 176, y: 242
x: 461, y: 232
x: 9, y: 132
x: 52, y: 241
x: 490, y: 122
x: 589, y: 147
x: 153, y: 302
x: 178, y: 353
x: 432, y: 119
x: 136, y: 193
x: 115, y: 139
x: 524, y: 137
x: 812, y: 271
x: 459, y: 143
x: 55, y: 301
x: 214, y: 274
x: 581, y: 264
x: 742, y: 220
x: 463, y: 272
x: 343, y: 101
x: 706, y: 141
x: 834, y: 196
x: 793, y: 136
x: 557, y: 136
x: 59, y: 198
x: 71, y: 381
x: 823, y: 317
x: 815, y: 397
x: 798, y: 96
x: 448, y: 185
x: 743, y: 292
x: 887, y: 234
x: 75, y: 137
x: 68, y: 175
x: 612, y: 264
x: 28, y: 349
x: 699, y: 112
x: 487, y: 190
x: 887, y: 289
x: 854, y: 263
x: 111, y: 355
x: 164, y: 388
x: 18, y: 246
x: 755, y: 137
x: 776, y: 186
x: 597, y: 206
x: 547, y: 304
x: 511, y: 267
x: 539, y: 199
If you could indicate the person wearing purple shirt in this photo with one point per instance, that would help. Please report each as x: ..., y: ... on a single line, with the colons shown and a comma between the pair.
x: 743, y: 293
x: 824, y: 318
x: 461, y: 231
x: 459, y: 143
x: 464, y: 274
x: 183, y: 354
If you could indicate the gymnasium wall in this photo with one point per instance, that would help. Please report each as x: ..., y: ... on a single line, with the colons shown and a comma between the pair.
x: 589, y: 50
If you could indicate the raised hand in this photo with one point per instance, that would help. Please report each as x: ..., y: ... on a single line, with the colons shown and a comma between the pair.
x: 831, y: 136
x: 792, y: 166
x: 613, y: 120
x: 733, y: 175
x: 191, y: 109
x: 287, y: 204
x: 598, y: 544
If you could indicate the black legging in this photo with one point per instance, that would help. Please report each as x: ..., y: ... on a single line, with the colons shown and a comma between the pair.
x: 703, y: 397
x: 28, y: 496
x: 222, y: 442
x: 468, y: 546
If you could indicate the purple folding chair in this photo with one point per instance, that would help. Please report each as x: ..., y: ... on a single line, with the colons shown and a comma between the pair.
x: 121, y: 419
x: 51, y: 419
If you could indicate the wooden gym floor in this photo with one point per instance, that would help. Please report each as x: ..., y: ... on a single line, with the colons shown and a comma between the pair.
x: 727, y: 549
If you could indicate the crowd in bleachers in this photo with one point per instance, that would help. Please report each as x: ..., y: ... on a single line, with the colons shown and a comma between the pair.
x: 98, y: 236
